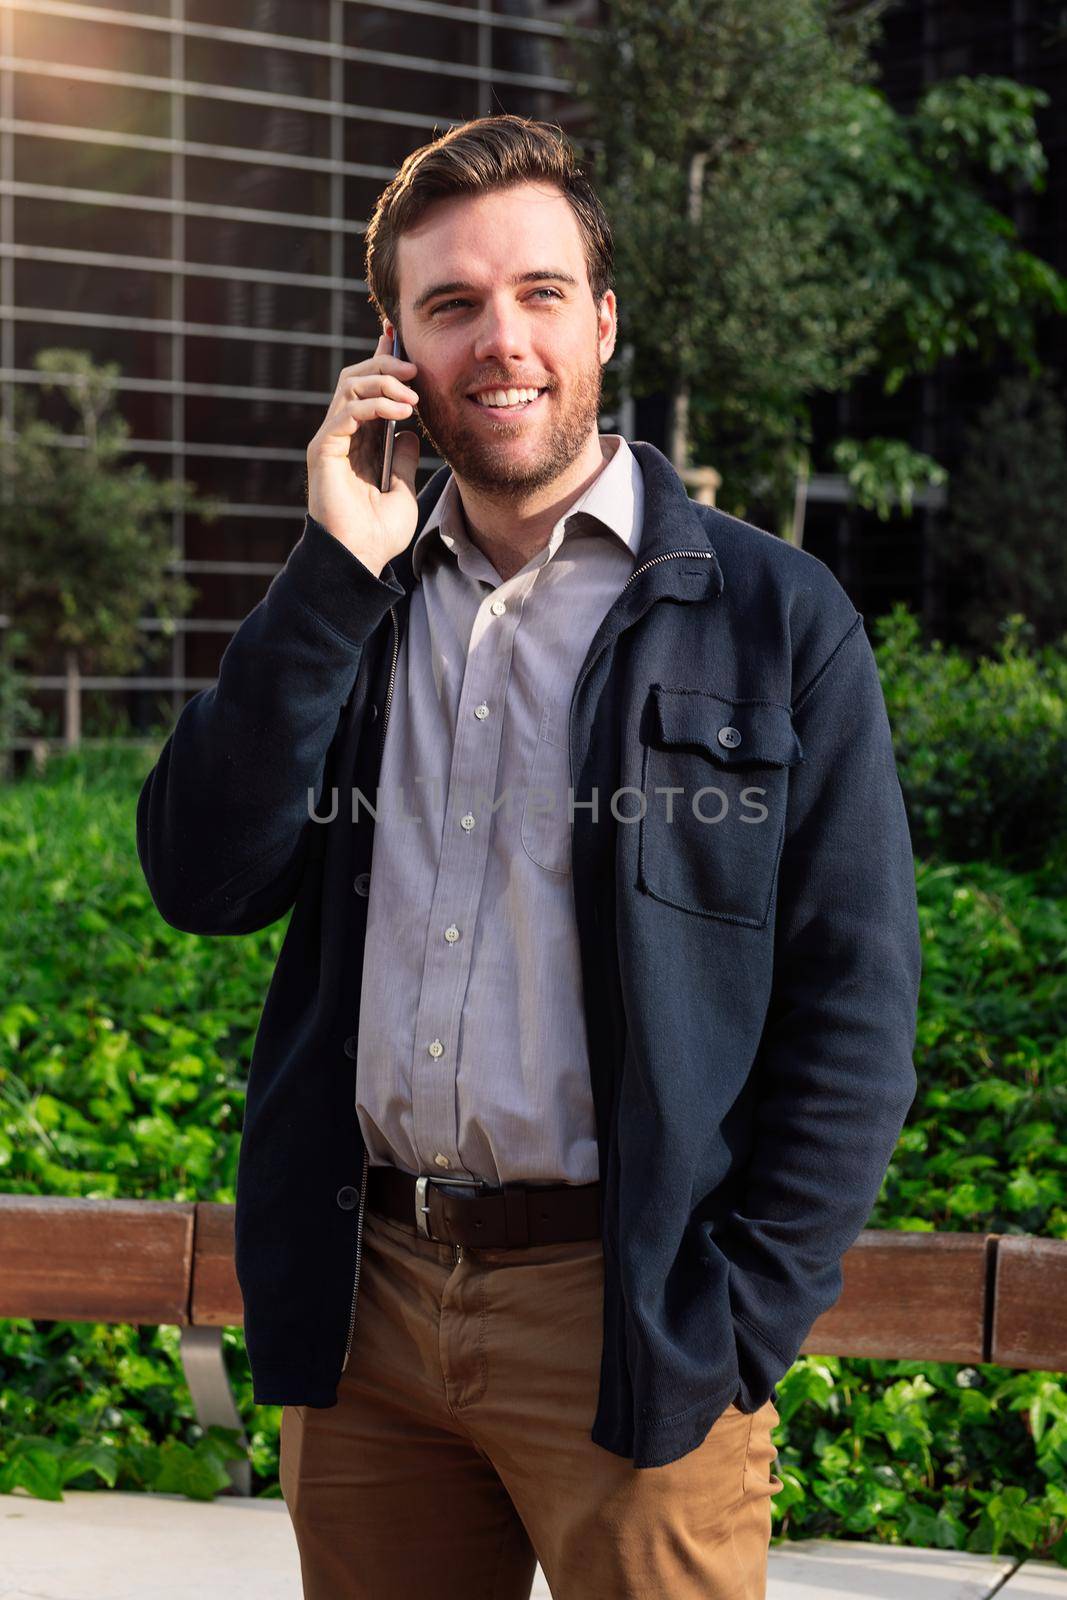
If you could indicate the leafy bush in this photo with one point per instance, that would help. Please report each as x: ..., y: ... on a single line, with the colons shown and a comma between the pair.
x: 124, y: 1048
x: 981, y: 745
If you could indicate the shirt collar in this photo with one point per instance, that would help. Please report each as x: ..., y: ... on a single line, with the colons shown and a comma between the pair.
x: 613, y: 502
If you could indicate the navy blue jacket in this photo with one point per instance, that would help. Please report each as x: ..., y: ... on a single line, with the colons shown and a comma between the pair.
x: 750, y: 990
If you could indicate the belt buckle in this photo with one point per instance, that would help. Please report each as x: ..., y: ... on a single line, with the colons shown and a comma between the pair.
x: 422, y: 1208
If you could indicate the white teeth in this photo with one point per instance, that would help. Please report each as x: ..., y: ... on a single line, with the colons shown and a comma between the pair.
x: 506, y: 397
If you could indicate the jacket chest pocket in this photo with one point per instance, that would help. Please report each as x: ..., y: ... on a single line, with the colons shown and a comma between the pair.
x: 715, y: 781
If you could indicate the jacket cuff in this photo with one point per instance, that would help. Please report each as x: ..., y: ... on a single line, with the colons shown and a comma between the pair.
x: 336, y: 585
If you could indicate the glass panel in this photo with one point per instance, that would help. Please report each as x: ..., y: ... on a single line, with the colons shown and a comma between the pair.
x: 242, y: 538
x: 228, y: 595
x: 540, y: 103
x: 141, y: 355
x: 154, y: 8
x: 75, y: 164
x: 394, y: 89
x: 260, y: 363
x: 512, y: 50
x: 91, y: 105
x: 109, y: 291
x: 249, y: 480
x: 305, y: 19
x: 257, y: 244
x: 149, y: 415
x: 255, y: 66
x: 361, y: 197
x: 355, y: 262
x: 288, y: 425
x: 243, y: 303
x: 245, y: 481
x: 382, y: 143
x: 408, y: 33
x: 236, y: 183
x: 91, y: 44
x: 361, y: 328
x: 84, y: 226
x: 384, y: 29
x: 203, y: 658
x: 255, y: 127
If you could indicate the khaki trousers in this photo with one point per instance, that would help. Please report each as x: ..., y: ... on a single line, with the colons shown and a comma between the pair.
x: 458, y: 1454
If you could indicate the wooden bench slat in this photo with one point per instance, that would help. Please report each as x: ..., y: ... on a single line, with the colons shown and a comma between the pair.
x: 907, y: 1296
x: 217, y: 1300
x: 95, y: 1260
x: 1030, y: 1303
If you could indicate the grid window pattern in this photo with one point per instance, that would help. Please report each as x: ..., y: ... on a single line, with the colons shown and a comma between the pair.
x: 184, y: 188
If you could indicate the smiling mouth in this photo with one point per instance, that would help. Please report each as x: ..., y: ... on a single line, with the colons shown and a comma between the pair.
x: 507, y: 411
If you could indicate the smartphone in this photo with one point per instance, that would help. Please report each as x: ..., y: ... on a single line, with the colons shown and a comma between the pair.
x: 390, y: 426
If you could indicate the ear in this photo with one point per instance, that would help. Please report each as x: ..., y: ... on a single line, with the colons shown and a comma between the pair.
x: 607, y: 327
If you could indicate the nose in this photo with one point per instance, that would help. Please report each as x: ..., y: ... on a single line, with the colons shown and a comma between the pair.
x: 501, y: 337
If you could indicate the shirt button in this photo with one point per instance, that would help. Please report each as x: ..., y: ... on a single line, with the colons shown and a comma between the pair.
x: 452, y: 934
x: 351, y: 1046
x: 436, y: 1048
x: 481, y: 712
x: 347, y: 1198
x: 373, y: 713
x: 729, y: 737
x: 467, y: 821
x: 441, y: 1161
x: 362, y: 883
x: 498, y: 608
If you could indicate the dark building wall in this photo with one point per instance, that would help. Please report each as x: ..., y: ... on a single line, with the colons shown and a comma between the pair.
x: 184, y: 189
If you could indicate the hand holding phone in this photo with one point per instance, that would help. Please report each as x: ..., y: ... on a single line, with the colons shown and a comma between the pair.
x: 347, y: 465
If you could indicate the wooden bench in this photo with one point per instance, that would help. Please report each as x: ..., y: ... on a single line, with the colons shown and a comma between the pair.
x: 961, y: 1297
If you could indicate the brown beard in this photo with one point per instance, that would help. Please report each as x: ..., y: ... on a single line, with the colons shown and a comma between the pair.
x: 491, y: 465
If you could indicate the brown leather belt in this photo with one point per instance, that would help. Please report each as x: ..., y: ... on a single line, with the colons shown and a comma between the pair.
x: 468, y: 1211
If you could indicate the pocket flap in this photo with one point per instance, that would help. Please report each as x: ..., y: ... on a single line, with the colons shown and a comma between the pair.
x: 735, y: 733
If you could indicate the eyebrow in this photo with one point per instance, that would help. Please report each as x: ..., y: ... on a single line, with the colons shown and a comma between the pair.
x: 522, y: 277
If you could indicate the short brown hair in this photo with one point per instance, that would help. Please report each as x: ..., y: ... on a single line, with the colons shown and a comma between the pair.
x: 474, y: 158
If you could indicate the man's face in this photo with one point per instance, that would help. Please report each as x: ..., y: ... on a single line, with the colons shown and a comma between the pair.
x: 545, y: 333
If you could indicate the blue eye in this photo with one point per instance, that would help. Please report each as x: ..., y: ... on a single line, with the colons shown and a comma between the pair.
x: 447, y: 303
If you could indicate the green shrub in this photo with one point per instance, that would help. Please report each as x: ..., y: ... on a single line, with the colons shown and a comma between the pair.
x: 124, y: 1050
x: 981, y: 746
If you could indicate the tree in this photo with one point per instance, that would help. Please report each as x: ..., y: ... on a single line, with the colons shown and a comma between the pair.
x: 18, y: 715
x: 1005, y: 537
x: 85, y: 540
x: 781, y: 230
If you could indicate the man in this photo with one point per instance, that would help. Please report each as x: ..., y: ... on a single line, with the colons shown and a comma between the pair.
x: 561, y: 1113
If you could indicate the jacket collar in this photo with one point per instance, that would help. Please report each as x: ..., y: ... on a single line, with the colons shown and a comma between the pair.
x: 673, y: 524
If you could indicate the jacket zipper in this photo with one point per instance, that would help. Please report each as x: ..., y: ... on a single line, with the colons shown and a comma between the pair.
x: 671, y: 555
x: 366, y: 1156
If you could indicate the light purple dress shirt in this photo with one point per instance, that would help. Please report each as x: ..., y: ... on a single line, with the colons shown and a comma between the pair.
x: 472, y: 1057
